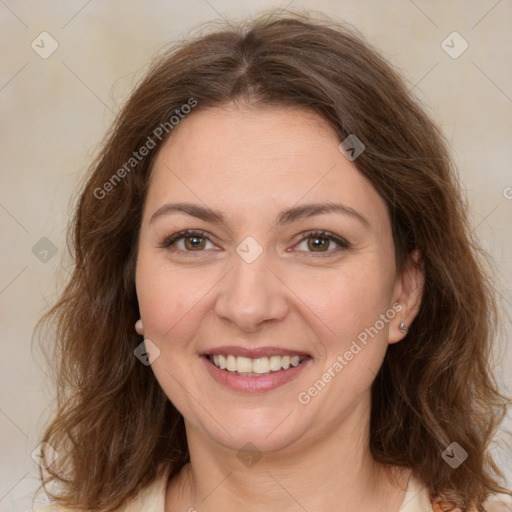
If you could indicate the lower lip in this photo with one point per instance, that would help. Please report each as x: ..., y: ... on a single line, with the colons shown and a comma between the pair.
x: 254, y: 384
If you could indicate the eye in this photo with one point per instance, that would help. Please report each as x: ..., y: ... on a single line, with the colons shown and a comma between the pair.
x: 320, y: 241
x: 186, y: 241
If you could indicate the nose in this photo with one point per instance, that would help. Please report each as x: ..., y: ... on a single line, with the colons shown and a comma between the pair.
x: 251, y: 295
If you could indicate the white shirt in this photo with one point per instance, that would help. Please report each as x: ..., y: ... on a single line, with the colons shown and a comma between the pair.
x: 152, y: 499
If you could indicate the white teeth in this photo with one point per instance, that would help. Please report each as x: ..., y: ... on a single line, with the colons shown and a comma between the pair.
x: 231, y: 363
x: 275, y: 363
x: 259, y: 365
x: 243, y: 364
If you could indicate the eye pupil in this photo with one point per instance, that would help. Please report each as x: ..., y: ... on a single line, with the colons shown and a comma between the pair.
x: 318, y: 243
x: 194, y: 242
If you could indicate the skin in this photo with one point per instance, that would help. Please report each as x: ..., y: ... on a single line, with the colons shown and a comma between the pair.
x: 250, y: 163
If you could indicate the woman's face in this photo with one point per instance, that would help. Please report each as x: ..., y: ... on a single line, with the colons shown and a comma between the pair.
x: 251, y: 283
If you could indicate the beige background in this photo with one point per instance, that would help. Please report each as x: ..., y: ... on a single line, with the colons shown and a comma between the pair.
x: 56, y: 110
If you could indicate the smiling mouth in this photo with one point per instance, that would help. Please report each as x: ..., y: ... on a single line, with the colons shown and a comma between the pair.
x: 258, y: 367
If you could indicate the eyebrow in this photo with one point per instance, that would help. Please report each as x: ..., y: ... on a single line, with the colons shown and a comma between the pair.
x: 287, y: 216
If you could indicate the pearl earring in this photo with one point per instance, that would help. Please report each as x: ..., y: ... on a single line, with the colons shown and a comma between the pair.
x: 139, y: 327
x: 402, y: 327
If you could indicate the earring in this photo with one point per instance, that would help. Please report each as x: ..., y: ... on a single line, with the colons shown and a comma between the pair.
x: 402, y: 327
x: 139, y: 327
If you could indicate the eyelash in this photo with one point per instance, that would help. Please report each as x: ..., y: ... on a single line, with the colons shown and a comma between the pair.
x: 188, y: 233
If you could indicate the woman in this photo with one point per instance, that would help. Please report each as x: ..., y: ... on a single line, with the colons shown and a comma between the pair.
x: 275, y: 304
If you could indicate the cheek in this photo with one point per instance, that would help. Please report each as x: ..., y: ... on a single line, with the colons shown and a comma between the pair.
x: 355, y: 306
x: 350, y: 299
x: 170, y: 306
x: 168, y: 299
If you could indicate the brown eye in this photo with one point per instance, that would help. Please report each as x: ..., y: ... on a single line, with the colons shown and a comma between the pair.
x: 322, y: 242
x: 318, y: 244
x: 193, y: 243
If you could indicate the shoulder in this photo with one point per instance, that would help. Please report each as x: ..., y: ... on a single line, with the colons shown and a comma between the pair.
x: 499, y: 503
x: 496, y: 503
x: 149, y: 499
x: 417, y: 500
x: 49, y: 508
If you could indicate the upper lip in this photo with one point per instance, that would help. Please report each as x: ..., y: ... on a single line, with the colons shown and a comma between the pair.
x: 252, y: 353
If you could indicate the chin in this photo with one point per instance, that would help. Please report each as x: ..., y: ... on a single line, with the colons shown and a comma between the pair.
x: 267, y: 430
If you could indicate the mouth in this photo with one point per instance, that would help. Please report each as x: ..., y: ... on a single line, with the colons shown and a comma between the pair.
x: 255, y: 367
x: 254, y: 371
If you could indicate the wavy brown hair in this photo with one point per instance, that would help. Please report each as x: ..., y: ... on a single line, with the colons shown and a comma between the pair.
x: 115, y: 429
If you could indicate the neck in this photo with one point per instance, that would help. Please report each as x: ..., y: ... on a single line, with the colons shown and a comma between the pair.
x: 336, y: 472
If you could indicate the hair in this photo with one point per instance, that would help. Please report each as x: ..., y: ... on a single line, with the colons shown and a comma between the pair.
x: 114, y: 427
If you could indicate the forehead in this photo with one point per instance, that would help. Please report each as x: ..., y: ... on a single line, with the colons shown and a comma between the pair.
x: 251, y: 160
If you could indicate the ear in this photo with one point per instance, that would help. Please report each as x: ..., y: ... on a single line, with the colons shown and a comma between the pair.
x: 408, y: 292
x: 139, y: 328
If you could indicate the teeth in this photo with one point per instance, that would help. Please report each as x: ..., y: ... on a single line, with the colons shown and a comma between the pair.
x: 260, y: 365
x: 231, y: 363
x: 243, y: 364
x: 275, y: 363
